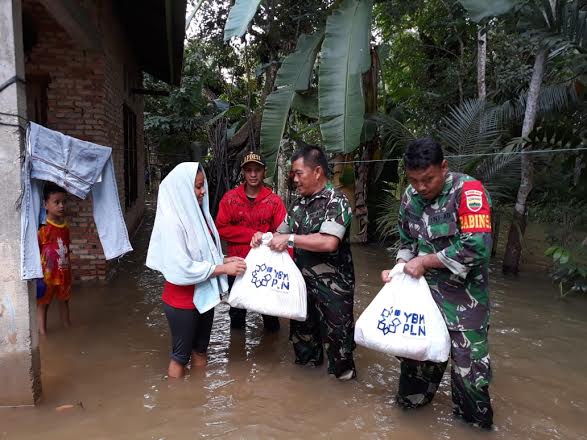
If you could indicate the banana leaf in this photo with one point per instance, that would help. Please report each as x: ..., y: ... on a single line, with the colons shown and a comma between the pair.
x: 193, y: 13
x: 480, y: 10
x: 345, y: 56
x: 294, y: 74
x: 239, y: 17
x: 306, y: 104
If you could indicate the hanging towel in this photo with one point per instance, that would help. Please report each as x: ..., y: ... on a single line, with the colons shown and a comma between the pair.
x: 183, y: 242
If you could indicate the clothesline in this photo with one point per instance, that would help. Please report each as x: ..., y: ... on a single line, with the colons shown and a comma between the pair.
x: 452, y: 156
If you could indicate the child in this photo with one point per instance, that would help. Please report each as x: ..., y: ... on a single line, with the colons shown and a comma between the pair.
x: 54, y: 247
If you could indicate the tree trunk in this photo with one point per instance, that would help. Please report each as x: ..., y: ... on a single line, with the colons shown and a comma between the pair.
x: 461, y: 67
x: 218, y: 171
x: 338, y: 169
x: 361, y: 184
x: 242, y: 137
x: 481, y: 61
x: 579, y: 166
x: 513, y: 251
x: 283, y: 170
x: 370, y: 81
x: 495, y: 227
x: 340, y: 163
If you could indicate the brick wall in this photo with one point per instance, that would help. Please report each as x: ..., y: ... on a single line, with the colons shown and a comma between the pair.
x: 85, y: 96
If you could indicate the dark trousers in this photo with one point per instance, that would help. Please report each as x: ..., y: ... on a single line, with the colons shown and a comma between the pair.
x: 238, y: 316
x: 329, y: 325
x: 470, y: 378
x: 190, y: 331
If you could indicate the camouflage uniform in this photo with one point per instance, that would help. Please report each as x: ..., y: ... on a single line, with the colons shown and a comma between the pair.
x: 456, y: 226
x: 330, y: 282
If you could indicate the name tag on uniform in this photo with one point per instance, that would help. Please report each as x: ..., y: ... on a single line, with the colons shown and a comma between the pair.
x: 441, y: 217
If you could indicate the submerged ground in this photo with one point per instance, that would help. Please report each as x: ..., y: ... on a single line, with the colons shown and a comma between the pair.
x: 111, y: 368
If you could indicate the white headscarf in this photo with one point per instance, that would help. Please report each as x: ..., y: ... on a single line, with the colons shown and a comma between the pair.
x: 181, y: 246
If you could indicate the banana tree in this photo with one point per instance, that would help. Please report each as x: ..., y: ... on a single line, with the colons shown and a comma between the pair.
x: 344, y: 56
x: 338, y: 103
x: 338, y: 57
x: 293, y: 77
x: 239, y: 18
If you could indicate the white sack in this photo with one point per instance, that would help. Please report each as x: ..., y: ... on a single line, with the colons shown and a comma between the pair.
x: 272, y: 284
x: 404, y: 320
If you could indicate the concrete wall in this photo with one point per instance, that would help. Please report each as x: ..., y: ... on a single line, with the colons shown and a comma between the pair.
x: 85, y: 93
x: 85, y: 97
x: 19, y: 352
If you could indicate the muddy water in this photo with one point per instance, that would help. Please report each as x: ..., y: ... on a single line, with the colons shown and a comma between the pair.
x: 110, y: 366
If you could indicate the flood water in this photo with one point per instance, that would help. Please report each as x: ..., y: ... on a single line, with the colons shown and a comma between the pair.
x: 111, y: 367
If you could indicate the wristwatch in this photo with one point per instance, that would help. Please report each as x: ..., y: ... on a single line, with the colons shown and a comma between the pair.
x: 290, y: 241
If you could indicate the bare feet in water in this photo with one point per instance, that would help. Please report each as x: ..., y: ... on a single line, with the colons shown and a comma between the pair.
x: 175, y: 370
x: 199, y: 359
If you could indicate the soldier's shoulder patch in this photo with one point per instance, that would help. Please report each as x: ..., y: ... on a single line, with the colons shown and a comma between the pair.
x: 474, y: 209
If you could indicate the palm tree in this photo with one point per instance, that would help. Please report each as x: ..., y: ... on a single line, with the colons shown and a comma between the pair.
x: 477, y: 139
x: 557, y: 26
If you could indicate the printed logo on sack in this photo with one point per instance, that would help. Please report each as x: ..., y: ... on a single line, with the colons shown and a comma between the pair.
x: 395, y: 322
x: 266, y: 276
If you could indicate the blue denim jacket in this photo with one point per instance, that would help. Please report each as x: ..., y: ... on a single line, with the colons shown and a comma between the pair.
x: 76, y: 166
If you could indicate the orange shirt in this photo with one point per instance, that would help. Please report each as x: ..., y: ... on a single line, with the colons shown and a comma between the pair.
x: 54, y: 248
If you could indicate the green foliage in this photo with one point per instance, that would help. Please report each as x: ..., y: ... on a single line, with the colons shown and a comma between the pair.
x: 568, y: 273
x: 339, y: 105
x: 173, y: 122
x: 430, y: 64
x: 347, y: 177
x: 239, y: 18
x: 560, y: 203
x: 389, y: 207
x: 345, y: 56
x: 509, y: 62
x: 232, y: 112
x: 480, y: 10
x: 469, y: 129
x: 558, y: 29
x: 553, y: 99
x: 306, y: 104
x: 294, y: 74
x: 394, y: 136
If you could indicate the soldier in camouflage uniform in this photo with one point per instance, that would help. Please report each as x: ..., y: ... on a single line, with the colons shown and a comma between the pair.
x: 317, y: 227
x: 445, y: 233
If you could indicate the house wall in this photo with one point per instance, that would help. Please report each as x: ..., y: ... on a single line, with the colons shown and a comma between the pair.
x: 19, y: 342
x: 85, y: 96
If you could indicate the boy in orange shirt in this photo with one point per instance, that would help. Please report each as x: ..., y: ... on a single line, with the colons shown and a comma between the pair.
x: 54, y: 247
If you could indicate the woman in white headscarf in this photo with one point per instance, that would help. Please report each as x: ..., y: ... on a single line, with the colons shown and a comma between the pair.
x: 185, y: 248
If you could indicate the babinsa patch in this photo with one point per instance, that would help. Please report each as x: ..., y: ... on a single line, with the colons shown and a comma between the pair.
x: 474, y: 209
x: 474, y: 199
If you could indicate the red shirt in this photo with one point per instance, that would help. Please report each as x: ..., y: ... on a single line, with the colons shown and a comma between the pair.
x: 180, y: 297
x: 239, y: 218
x: 54, y: 248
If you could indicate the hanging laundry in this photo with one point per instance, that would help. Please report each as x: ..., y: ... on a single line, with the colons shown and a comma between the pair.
x: 80, y: 167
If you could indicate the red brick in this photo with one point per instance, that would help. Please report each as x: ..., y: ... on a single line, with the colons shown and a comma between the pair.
x: 85, y: 98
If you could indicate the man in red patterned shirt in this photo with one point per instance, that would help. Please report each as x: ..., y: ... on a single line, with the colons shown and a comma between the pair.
x: 244, y: 210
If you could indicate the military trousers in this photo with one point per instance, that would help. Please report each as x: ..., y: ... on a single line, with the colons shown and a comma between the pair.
x: 329, y: 326
x: 470, y: 378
